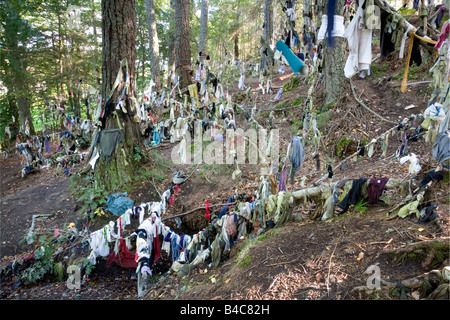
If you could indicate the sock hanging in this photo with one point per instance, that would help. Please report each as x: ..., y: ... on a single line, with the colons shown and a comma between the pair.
x: 330, y: 171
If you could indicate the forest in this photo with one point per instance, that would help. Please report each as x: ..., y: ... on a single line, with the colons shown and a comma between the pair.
x: 224, y: 150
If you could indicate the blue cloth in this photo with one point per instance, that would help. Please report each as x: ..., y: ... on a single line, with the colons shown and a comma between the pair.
x: 331, y: 8
x: 173, y: 244
x: 47, y: 145
x: 222, y: 212
x: 156, y: 139
x: 294, y: 62
x: 117, y: 203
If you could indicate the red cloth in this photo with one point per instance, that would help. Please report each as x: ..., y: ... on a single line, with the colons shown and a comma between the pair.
x: 443, y: 35
x: 156, y: 247
x: 172, y: 197
x: 207, y: 215
x: 124, y: 258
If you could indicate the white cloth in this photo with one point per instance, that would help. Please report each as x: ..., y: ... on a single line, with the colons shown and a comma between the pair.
x: 338, y: 29
x: 435, y: 112
x: 359, y: 44
x: 241, y: 83
x: 99, y: 245
x: 414, y: 166
x: 291, y: 14
x: 405, y: 36
x: 166, y: 244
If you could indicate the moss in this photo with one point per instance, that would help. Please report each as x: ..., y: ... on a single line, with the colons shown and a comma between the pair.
x: 378, y: 70
x: 297, y: 125
x: 245, y: 261
x: 298, y: 101
x: 264, y: 114
x: 292, y: 83
x: 281, y: 105
x: 58, y: 269
x: 342, y: 145
x: 324, y: 118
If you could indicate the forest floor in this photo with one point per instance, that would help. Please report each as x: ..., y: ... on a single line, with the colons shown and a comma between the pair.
x: 303, y: 259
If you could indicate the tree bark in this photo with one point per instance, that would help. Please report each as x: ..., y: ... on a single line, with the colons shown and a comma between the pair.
x: 171, y: 45
x: 268, y: 22
x: 119, y: 44
x: 203, y: 37
x: 60, y: 60
x: 154, y: 43
x: 182, y: 43
x: 236, y: 46
x: 17, y: 69
x: 333, y: 63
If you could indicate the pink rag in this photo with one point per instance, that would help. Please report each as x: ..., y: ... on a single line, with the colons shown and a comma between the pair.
x: 443, y: 35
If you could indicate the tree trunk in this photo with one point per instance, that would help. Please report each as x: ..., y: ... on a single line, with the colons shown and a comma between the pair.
x: 203, y: 26
x: 333, y: 63
x: 268, y: 21
x: 236, y: 46
x: 24, y: 109
x: 171, y: 45
x: 266, y: 52
x: 153, y: 42
x: 21, y: 92
x: 60, y: 60
x: 182, y: 43
x: 119, y: 44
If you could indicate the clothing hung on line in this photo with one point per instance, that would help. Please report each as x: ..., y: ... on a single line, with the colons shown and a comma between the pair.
x: 416, y: 57
x: 353, y: 196
x: 375, y: 189
x: 432, y: 176
x: 297, y: 156
x: 386, y: 44
x: 123, y: 258
x: 441, y: 146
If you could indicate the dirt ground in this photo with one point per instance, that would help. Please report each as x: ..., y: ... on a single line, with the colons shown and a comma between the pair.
x: 304, y: 259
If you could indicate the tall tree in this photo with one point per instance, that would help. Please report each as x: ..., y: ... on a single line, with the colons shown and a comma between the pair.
x: 266, y: 39
x: 182, y: 43
x: 118, y: 63
x: 203, y: 26
x: 268, y: 22
x: 154, y: 43
x: 334, y: 61
x: 14, y: 41
x: 171, y: 44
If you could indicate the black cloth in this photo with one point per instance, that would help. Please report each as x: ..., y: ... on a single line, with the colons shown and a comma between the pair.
x: 108, y: 140
x: 361, y: 151
x: 429, y: 215
x: 330, y: 172
x: 416, y: 57
x: 432, y: 175
x: 385, y: 38
x: 353, y: 196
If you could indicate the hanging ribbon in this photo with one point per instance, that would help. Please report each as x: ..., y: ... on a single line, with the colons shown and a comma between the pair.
x: 208, y: 215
